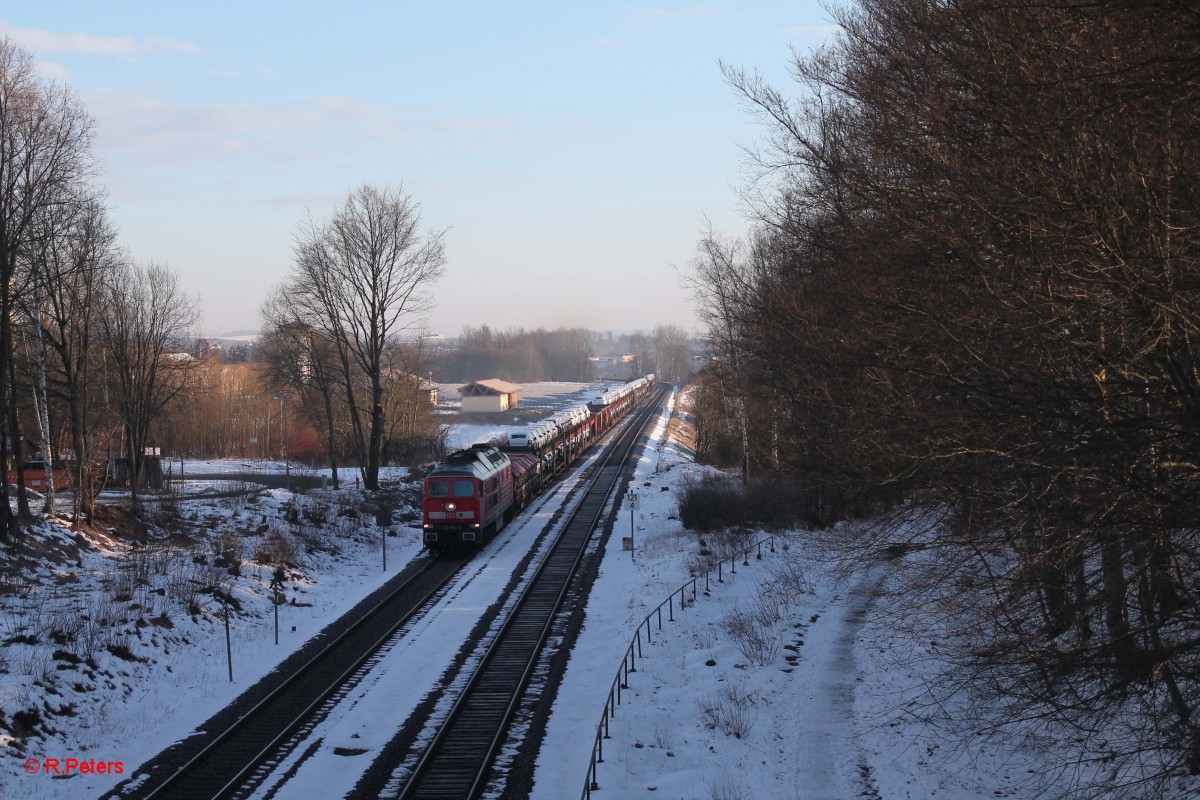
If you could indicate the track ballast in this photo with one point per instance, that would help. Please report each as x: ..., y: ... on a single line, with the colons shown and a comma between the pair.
x: 456, y: 763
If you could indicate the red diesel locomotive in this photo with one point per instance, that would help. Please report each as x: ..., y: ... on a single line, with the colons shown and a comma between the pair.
x: 475, y: 492
x: 469, y: 495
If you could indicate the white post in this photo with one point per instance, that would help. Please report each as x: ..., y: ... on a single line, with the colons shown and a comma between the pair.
x: 632, y: 499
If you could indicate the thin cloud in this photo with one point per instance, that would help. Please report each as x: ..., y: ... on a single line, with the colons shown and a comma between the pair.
x: 44, y: 41
x: 604, y: 41
x: 54, y: 70
x: 142, y: 129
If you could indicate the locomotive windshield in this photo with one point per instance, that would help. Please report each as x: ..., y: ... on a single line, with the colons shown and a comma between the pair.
x: 463, y: 489
x: 438, y: 489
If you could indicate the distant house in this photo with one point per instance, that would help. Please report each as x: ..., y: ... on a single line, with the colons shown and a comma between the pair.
x: 408, y: 382
x: 492, y: 394
x: 428, y: 389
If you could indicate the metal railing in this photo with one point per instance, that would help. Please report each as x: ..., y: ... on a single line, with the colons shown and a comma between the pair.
x: 634, y: 651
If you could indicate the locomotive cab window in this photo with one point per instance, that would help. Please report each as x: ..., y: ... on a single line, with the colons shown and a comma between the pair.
x: 463, y: 489
x: 438, y: 489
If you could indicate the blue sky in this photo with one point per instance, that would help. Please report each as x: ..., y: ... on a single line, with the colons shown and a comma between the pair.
x: 572, y: 149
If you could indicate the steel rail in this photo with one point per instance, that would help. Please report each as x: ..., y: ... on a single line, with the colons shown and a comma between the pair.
x: 459, y: 756
x: 189, y: 780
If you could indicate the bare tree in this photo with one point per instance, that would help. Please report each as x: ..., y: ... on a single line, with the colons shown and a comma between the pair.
x: 723, y: 285
x: 44, y: 152
x: 643, y: 354
x: 983, y: 220
x: 145, y: 321
x: 301, y: 359
x: 519, y: 355
x: 74, y: 255
x: 364, y: 278
x: 415, y: 432
x: 672, y: 353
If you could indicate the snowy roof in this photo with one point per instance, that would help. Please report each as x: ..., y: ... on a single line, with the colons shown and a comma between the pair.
x: 489, y: 386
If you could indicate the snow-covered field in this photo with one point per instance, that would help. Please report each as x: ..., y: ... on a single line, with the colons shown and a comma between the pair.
x: 546, y: 398
x: 784, y: 680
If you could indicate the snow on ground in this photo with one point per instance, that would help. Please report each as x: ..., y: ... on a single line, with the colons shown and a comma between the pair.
x: 153, y: 644
x: 371, y: 713
x: 176, y: 468
x: 781, y: 681
x: 154, y: 662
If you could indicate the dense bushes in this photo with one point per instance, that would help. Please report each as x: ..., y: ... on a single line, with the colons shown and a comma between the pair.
x: 718, y: 503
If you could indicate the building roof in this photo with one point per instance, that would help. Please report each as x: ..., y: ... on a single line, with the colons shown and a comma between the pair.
x: 489, y: 386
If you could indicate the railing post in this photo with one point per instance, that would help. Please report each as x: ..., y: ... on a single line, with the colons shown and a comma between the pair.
x: 635, y: 651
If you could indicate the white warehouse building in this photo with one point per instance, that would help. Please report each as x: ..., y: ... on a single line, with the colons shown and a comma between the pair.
x: 492, y: 394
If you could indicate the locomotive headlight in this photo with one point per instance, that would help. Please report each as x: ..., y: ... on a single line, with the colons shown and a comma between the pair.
x: 450, y: 506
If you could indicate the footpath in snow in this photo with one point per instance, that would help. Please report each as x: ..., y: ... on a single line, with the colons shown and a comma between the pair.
x: 777, y: 682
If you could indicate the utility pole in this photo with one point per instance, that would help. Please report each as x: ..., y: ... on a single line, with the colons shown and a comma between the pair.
x: 228, y: 643
x: 287, y: 465
x: 277, y: 596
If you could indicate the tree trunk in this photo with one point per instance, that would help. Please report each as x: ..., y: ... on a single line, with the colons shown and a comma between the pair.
x: 18, y: 443
x: 1116, y: 614
x: 11, y: 527
x: 44, y: 416
x: 331, y: 439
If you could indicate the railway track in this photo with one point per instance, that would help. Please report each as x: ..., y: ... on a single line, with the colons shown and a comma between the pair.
x: 456, y: 763
x: 231, y: 761
x: 230, y: 757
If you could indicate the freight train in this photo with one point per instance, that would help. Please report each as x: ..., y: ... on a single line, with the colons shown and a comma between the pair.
x: 475, y: 492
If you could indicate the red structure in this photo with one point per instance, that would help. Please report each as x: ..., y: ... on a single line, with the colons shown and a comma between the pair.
x: 35, y: 476
x: 470, y: 496
x: 478, y: 491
